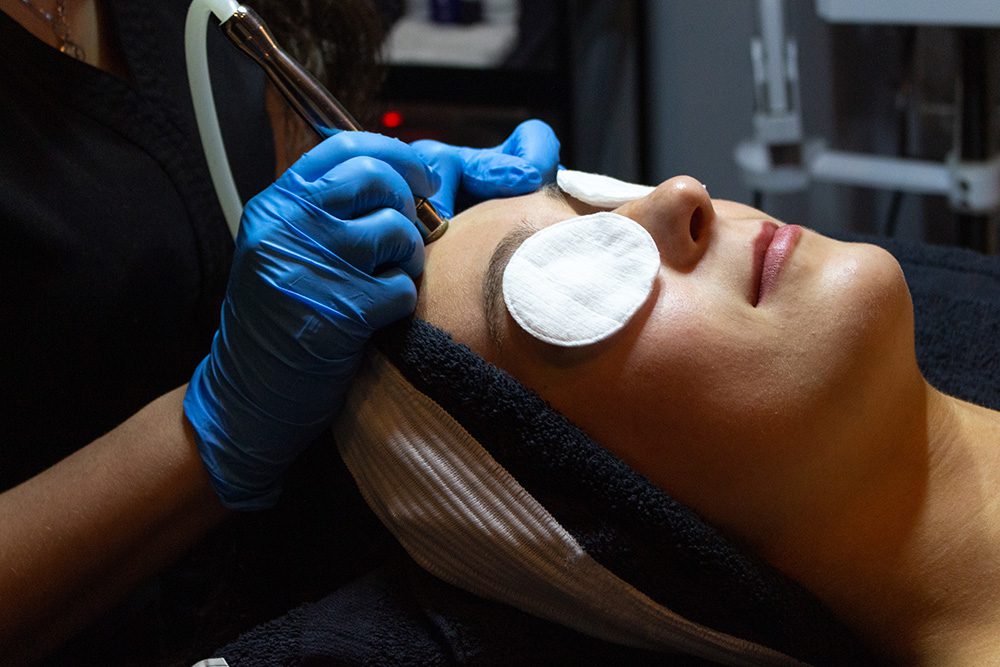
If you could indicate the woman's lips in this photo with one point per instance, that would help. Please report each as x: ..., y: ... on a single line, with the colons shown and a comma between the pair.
x: 760, y: 245
x: 772, y: 248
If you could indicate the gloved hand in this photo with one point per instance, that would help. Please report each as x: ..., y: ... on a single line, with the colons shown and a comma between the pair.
x: 324, y: 257
x: 523, y: 163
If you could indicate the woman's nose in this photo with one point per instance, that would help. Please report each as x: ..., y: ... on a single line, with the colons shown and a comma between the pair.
x: 678, y: 214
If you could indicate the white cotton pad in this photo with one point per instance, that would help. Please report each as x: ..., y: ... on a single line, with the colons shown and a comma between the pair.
x: 597, y: 190
x: 581, y: 280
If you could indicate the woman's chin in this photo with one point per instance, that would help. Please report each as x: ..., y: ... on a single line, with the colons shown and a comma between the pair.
x: 870, y: 312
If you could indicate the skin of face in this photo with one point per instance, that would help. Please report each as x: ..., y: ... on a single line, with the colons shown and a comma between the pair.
x: 764, y: 418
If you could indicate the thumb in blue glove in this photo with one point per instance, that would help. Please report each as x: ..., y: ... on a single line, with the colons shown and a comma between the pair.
x: 525, y: 161
x: 324, y: 257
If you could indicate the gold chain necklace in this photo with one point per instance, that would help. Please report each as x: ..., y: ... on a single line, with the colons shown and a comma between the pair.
x: 57, y: 21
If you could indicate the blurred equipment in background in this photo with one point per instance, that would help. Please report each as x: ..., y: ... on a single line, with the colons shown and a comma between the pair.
x: 458, y: 74
x: 468, y: 76
x: 779, y: 158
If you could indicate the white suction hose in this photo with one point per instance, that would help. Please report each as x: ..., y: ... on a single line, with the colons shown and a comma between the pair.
x: 196, y: 53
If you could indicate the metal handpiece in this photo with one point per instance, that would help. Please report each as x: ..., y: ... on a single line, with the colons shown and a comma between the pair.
x: 310, y: 98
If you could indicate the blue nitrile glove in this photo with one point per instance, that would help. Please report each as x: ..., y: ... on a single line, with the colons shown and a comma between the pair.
x: 523, y: 163
x: 324, y: 257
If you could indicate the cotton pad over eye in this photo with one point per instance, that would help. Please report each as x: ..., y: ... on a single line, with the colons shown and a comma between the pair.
x: 598, y: 190
x: 581, y: 280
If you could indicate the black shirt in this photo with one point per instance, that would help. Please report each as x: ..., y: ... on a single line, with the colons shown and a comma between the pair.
x: 114, y: 251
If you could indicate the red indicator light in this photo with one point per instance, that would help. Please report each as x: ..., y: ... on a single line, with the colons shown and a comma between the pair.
x: 392, y: 119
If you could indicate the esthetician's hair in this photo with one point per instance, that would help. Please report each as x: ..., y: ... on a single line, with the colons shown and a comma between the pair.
x: 339, y: 41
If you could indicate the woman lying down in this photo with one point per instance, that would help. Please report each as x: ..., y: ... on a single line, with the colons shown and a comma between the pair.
x: 759, y: 374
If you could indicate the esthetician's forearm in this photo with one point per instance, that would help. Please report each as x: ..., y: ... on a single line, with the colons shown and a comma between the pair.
x: 80, y: 535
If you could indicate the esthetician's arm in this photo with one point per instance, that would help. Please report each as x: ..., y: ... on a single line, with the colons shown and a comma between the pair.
x: 77, y: 537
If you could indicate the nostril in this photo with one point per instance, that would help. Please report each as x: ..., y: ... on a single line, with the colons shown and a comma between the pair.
x: 697, y: 224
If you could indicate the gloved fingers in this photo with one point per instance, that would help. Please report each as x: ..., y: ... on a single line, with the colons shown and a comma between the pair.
x: 383, y: 239
x: 445, y: 162
x: 396, y: 296
x: 526, y: 160
x: 359, y: 186
x: 536, y: 143
x: 488, y: 174
x: 346, y: 145
x: 297, y: 314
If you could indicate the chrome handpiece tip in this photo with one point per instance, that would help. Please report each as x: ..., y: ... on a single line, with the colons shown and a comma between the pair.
x: 432, y: 225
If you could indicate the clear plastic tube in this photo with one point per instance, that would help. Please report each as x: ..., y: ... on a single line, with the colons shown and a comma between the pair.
x: 196, y: 53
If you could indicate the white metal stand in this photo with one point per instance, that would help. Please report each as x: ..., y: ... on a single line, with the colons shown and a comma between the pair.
x: 779, y: 159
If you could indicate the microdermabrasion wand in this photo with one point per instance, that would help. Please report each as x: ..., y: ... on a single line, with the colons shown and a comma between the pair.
x: 310, y: 99
x: 313, y: 102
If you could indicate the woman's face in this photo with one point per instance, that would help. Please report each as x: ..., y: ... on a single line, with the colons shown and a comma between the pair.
x: 753, y: 385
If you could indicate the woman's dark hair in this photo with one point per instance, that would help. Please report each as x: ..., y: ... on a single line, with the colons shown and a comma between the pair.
x: 339, y: 41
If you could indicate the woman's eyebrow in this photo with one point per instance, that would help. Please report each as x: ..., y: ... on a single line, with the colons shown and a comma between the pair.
x: 553, y: 191
x: 493, y: 304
